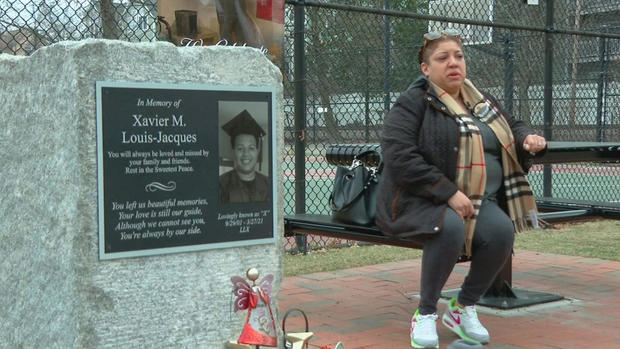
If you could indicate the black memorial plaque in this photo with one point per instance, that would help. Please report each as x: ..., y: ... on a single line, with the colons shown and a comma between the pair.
x: 161, y: 151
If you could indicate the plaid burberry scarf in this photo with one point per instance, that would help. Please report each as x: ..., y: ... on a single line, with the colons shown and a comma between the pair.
x: 471, y: 169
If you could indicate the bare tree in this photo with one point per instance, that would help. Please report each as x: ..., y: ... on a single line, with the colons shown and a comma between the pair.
x: 315, y: 50
x: 573, y: 77
x: 108, y: 19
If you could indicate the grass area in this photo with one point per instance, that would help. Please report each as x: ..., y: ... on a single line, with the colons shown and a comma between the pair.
x: 596, y: 238
x: 346, y: 257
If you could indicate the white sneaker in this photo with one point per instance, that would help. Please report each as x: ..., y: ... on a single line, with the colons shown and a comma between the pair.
x: 424, y: 331
x: 464, y: 322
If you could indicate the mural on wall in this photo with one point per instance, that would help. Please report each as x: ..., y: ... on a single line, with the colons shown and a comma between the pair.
x: 256, y: 23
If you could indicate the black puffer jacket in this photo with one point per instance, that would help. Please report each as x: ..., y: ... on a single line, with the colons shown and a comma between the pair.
x: 420, y: 145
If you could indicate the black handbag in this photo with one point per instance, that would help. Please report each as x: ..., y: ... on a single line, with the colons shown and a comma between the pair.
x: 354, y: 195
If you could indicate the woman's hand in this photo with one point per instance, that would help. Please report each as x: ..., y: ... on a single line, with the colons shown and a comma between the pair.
x: 534, y: 143
x: 461, y: 204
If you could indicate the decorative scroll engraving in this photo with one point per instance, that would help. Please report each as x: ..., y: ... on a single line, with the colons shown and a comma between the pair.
x: 155, y: 186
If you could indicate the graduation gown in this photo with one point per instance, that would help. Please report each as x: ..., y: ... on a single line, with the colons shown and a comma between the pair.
x: 234, y: 190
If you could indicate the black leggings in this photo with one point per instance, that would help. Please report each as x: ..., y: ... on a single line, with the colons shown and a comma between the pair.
x: 491, y: 247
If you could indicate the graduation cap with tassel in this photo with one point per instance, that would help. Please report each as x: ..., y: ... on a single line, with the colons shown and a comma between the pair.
x: 244, y: 123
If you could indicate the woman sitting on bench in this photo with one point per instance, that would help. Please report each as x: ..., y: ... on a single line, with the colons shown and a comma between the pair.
x: 454, y: 175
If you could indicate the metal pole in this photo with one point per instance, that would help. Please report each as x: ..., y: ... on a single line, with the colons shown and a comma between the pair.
x: 548, y: 93
x: 602, y: 75
x: 387, y: 46
x: 299, y: 60
x: 367, y: 100
x: 315, y: 130
x: 509, y: 76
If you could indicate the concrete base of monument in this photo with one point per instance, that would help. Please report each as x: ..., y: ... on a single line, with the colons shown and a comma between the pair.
x: 235, y: 345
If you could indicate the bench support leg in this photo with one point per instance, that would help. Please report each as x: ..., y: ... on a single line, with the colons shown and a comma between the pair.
x: 502, y: 285
x: 502, y: 295
x: 301, y: 240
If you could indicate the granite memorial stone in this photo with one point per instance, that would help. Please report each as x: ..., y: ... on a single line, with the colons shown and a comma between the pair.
x: 56, y: 291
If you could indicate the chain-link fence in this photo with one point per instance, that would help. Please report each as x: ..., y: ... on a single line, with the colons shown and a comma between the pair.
x: 353, y: 58
x: 26, y: 25
x: 359, y: 56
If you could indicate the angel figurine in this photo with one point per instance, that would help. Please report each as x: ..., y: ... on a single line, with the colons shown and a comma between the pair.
x: 260, y: 328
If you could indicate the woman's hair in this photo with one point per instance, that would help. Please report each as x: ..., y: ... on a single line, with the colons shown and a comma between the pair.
x: 429, y: 46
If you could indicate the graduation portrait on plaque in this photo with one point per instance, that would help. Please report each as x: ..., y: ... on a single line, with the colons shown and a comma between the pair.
x: 244, y: 182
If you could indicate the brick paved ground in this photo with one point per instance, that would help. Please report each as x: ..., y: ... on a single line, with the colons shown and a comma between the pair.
x: 370, y: 307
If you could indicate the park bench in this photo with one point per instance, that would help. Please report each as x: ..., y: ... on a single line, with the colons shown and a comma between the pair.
x: 501, y: 294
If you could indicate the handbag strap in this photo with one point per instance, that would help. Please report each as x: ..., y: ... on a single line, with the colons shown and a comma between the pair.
x: 288, y: 312
x: 358, y: 162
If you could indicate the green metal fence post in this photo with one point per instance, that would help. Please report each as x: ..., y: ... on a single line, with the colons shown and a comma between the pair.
x: 388, y: 48
x: 300, y: 117
x: 600, y: 92
x: 509, y: 76
x: 548, y: 93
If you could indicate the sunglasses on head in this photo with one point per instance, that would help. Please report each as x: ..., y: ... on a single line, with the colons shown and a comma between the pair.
x: 450, y: 32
